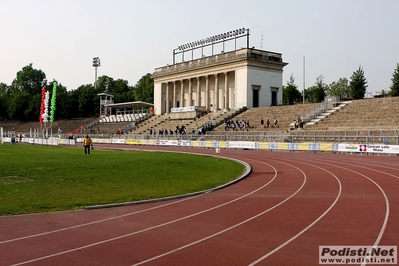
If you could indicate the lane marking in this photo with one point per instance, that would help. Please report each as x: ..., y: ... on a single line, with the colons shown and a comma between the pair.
x: 95, y: 222
x: 123, y: 215
x: 384, y: 224
x: 153, y: 227
x: 310, y: 225
x: 231, y: 227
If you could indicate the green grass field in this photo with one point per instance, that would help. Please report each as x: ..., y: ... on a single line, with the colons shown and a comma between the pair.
x: 37, y: 178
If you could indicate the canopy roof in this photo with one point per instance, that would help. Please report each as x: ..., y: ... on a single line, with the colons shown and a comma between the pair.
x: 129, y: 105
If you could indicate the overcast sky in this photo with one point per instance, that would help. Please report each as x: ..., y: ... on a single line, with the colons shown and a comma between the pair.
x: 134, y: 37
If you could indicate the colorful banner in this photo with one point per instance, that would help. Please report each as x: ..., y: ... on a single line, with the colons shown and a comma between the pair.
x: 53, y: 100
x: 45, y: 113
x: 42, y: 106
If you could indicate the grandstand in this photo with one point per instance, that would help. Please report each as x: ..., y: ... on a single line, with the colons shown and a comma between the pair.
x: 357, y: 119
x: 365, y: 114
x: 168, y: 122
x: 67, y: 126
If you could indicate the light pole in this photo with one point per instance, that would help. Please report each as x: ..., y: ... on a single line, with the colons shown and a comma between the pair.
x: 96, y: 63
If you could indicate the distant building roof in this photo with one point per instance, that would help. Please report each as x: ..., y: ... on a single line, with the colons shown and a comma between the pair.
x: 129, y: 105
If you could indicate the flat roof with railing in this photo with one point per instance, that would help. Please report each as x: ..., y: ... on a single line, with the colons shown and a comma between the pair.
x: 222, y: 58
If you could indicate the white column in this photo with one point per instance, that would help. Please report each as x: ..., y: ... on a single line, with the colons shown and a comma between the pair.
x: 198, y: 99
x: 216, y: 92
x: 207, y: 92
x: 181, y: 93
x: 167, y: 98
x: 190, y: 92
x: 174, y: 95
x: 232, y: 92
x: 226, y: 90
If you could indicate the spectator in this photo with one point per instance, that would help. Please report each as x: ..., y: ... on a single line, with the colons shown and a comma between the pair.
x: 262, y: 122
x: 275, y: 122
x: 267, y: 123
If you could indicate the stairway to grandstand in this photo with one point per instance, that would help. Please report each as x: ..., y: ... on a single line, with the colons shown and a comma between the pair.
x: 365, y: 114
x: 164, y: 122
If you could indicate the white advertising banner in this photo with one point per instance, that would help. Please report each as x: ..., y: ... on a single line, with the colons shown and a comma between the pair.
x: 240, y: 145
x: 369, y: 148
x: 118, y: 141
x: 183, y: 109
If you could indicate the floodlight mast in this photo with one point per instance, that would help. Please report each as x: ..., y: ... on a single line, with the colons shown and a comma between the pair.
x: 96, y: 63
x: 211, y: 41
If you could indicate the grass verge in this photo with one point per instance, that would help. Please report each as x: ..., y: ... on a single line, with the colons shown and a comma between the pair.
x: 44, y: 178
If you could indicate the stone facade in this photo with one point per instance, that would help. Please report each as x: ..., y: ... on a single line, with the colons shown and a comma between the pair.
x: 232, y: 80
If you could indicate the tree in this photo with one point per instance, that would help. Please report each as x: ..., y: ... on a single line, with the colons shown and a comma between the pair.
x: 394, y: 89
x: 25, y: 94
x: 339, y: 88
x: 317, y: 92
x: 291, y: 94
x: 3, y: 101
x: 119, y: 88
x: 29, y: 80
x: 87, y: 101
x: 358, y: 84
x: 144, y: 89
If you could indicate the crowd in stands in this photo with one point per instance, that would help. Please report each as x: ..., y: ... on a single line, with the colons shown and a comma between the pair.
x: 238, y: 125
x: 203, y: 129
x: 180, y: 130
x: 267, y: 124
x: 163, y: 131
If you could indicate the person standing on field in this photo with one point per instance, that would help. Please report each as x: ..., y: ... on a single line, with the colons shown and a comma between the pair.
x: 86, y: 144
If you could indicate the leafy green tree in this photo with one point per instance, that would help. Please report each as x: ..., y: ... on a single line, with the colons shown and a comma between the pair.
x: 119, y: 88
x: 25, y: 94
x: 29, y: 80
x: 125, y: 92
x: 317, y: 92
x: 3, y: 101
x: 88, y: 101
x: 394, y: 89
x: 144, y: 89
x: 291, y: 94
x: 18, y: 103
x: 358, y: 84
x: 339, y: 88
x: 74, y: 102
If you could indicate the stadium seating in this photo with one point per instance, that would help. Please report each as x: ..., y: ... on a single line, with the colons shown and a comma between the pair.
x: 367, y: 115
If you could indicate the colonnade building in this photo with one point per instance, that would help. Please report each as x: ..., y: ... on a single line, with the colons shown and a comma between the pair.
x: 246, y: 77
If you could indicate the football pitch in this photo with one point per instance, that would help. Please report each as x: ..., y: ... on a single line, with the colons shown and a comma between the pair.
x: 37, y: 178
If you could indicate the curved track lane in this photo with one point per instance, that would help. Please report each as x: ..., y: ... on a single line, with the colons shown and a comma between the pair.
x: 288, y: 206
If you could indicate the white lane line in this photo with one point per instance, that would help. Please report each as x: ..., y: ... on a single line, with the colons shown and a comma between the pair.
x: 310, y: 225
x: 231, y: 227
x: 384, y: 224
x: 153, y: 227
x: 119, y: 216
x: 95, y: 222
x: 372, y: 169
x: 115, y: 217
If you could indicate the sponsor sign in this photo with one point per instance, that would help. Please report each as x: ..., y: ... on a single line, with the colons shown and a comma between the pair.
x: 240, y: 145
x: 183, y: 109
x: 368, y: 148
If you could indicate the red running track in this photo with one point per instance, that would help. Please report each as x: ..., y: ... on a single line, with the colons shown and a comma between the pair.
x: 289, y: 205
